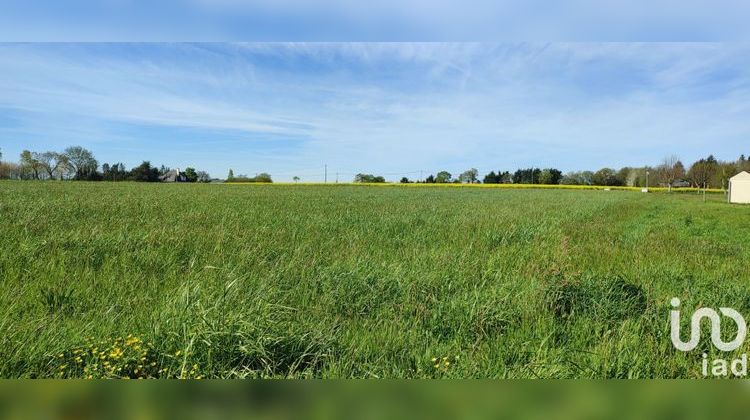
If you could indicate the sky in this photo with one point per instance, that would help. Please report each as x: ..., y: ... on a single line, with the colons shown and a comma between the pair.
x: 393, y: 109
x: 382, y: 20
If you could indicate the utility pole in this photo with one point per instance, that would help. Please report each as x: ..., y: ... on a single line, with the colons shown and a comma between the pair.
x: 421, y: 178
x: 337, y: 177
x: 325, y: 174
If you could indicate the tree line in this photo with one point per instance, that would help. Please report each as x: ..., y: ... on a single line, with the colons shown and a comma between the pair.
x: 261, y: 177
x: 78, y: 163
x: 707, y: 172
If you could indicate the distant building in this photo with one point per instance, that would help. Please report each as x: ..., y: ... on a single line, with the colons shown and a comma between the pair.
x: 174, y: 175
x: 739, y: 188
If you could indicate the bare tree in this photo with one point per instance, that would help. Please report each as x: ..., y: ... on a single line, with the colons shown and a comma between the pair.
x: 53, y: 163
x: 702, y: 171
x: 203, y: 176
x: 670, y: 170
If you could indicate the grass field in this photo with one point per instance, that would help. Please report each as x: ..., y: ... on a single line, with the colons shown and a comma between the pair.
x: 155, y: 280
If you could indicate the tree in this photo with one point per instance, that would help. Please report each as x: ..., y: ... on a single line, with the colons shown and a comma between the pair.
x: 30, y: 167
x: 701, y: 172
x: 670, y: 170
x: 527, y: 176
x: 605, y: 177
x: 230, y: 175
x: 368, y: 178
x: 505, y: 177
x: 578, y: 178
x: 263, y: 177
x: 203, y: 176
x: 82, y: 162
x: 405, y: 180
x: 724, y: 171
x: 623, y: 176
x: 443, y: 177
x: 10, y: 170
x: 295, y: 179
x: 743, y: 163
x: 491, y: 178
x: 53, y: 163
x: 468, y: 176
x: 430, y: 179
x: 191, y: 175
x: 115, y: 172
x: 550, y: 176
x: 145, y: 173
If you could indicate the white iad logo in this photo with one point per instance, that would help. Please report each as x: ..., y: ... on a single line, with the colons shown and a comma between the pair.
x: 695, y: 328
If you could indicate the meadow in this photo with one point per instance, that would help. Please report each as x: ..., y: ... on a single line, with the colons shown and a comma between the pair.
x: 203, y: 281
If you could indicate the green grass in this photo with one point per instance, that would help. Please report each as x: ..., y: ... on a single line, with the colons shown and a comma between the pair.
x: 315, y: 281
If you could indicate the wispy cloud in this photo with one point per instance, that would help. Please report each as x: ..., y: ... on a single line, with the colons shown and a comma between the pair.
x: 377, y: 107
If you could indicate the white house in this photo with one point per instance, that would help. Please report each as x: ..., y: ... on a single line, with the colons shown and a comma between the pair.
x: 739, y: 188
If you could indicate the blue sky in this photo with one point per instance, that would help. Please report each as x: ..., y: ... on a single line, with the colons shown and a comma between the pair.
x: 382, y: 20
x: 387, y: 108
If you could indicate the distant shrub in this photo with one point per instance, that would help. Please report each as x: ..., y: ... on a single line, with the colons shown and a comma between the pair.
x: 261, y: 177
x: 368, y: 179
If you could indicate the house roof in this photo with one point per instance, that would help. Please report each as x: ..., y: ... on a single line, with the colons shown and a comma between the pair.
x: 170, y: 176
x: 742, y: 176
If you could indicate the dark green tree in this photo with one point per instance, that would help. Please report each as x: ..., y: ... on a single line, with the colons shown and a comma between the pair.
x: 443, y: 177
x: 144, y: 173
x: 491, y: 178
x: 191, y: 175
x: 263, y: 177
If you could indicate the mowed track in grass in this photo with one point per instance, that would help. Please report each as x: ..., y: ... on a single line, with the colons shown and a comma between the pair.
x: 346, y: 281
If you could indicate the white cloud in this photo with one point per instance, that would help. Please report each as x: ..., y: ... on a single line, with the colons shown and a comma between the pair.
x: 391, y: 107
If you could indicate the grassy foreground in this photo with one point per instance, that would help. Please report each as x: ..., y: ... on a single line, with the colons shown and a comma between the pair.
x: 154, y: 280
